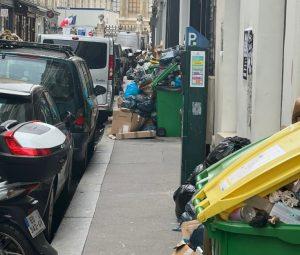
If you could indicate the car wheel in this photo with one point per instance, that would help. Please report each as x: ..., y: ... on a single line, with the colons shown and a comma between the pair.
x: 82, y: 164
x: 48, y: 218
x: 12, y: 241
x: 103, y: 117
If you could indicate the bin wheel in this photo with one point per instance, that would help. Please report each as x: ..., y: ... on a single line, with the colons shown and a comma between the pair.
x: 161, y: 132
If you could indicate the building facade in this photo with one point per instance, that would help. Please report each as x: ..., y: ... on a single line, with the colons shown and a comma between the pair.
x: 28, y: 18
x: 257, y: 58
x: 130, y: 10
x: 254, y: 78
x: 110, y: 5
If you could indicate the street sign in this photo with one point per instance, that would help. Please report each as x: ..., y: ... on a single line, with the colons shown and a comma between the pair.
x: 4, y: 13
x: 195, y: 38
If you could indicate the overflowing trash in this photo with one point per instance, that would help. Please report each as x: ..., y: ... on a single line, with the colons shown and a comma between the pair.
x: 8, y: 35
x: 145, y: 73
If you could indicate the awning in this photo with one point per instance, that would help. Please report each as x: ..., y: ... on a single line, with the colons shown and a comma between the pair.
x: 8, y: 3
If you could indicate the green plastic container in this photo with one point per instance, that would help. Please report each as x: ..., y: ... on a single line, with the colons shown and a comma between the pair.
x: 232, y: 238
x: 209, y: 173
x: 168, y: 105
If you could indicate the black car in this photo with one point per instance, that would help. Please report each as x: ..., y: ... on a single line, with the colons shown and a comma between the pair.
x: 68, y: 80
x: 25, y: 102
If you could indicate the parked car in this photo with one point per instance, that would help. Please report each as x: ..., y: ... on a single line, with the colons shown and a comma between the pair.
x: 119, y: 65
x: 98, y: 52
x: 69, y: 82
x: 25, y: 102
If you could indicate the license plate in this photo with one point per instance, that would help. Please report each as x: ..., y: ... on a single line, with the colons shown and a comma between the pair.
x: 34, y: 223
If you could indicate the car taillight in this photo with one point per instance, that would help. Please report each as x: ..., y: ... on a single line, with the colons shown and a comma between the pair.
x: 16, y: 149
x: 111, y: 67
x: 79, y: 121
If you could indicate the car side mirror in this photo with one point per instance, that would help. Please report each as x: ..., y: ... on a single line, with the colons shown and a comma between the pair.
x: 68, y: 119
x: 99, y: 90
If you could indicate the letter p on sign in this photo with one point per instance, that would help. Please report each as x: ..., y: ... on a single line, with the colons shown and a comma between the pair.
x: 192, y: 39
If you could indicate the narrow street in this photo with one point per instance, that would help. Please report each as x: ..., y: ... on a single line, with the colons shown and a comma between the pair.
x: 123, y: 203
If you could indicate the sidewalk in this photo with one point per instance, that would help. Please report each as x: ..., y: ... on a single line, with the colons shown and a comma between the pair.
x: 123, y: 203
x: 135, y: 210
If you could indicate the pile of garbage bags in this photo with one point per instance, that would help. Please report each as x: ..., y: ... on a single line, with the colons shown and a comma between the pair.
x: 139, y: 94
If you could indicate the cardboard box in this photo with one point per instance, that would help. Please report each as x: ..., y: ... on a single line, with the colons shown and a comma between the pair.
x: 188, y: 227
x: 183, y: 249
x: 125, y: 121
x: 138, y: 134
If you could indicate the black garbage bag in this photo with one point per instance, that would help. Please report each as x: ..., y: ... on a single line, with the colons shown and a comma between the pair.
x: 169, y: 57
x: 224, y: 148
x: 192, y: 178
x: 144, y: 104
x: 129, y: 103
x: 190, y: 209
x: 197, y: 238
x: 181, y: 197
x: 185, y: 217
x: 146, y: 79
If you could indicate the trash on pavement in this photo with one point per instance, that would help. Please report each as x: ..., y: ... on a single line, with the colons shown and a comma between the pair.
x: 224, y: 148
x: 262, y: 184
x: 132, y: 89
x: 136, y: 135
x: 125, y: 121
x: 144, y: 74
x: 192, y: 237
x: 181, y: 197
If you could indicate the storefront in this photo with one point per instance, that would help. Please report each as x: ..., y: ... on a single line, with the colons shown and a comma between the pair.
x: 25, y: 14
x: 6, y: 15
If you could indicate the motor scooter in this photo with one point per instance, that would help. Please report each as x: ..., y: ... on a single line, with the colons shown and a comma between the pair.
x: 21, y: 226
x: 30, y: 153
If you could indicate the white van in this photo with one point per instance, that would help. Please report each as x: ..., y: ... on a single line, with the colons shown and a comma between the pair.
x: 98, y: 54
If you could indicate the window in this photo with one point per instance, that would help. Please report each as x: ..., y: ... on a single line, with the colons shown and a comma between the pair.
x: 14, y: 109
x: 54, y: 75
x: 94, y: 53
x: 88, y: 78
x: 134, y: 6
x: 43, y: 112
x: 53, y: 109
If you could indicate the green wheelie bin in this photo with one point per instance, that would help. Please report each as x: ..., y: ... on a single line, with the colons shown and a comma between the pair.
x: 168, y: 105
x: 236, y: 238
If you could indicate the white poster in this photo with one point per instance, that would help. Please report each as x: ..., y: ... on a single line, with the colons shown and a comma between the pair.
x: 248, y: 53
x: 4, y: 13
x: 197, y: 69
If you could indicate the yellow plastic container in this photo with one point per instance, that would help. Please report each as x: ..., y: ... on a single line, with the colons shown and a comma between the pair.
x: 271, y: 165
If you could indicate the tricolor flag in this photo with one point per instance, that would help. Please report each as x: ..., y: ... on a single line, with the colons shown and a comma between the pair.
x: 69, y: 21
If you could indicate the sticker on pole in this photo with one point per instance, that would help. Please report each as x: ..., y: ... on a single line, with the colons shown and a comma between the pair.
x: 252, y: 165
x: 197, y: 72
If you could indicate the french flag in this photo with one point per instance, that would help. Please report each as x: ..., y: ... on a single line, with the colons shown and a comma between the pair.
x: 69, y: 21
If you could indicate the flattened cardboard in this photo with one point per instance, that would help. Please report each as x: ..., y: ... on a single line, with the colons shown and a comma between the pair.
x: 188, y: 227
x: 183, y: 249
x: 136, y: 135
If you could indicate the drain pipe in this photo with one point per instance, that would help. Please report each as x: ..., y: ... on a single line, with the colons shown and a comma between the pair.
x: 283, y: 58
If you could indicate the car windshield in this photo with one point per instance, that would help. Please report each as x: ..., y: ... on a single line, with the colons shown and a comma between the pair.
x: 54, y: 75
x: 14, y: 109
x: 94, y: 53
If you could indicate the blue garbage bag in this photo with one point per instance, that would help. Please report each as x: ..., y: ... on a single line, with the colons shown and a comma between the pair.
x: 132, y: 89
